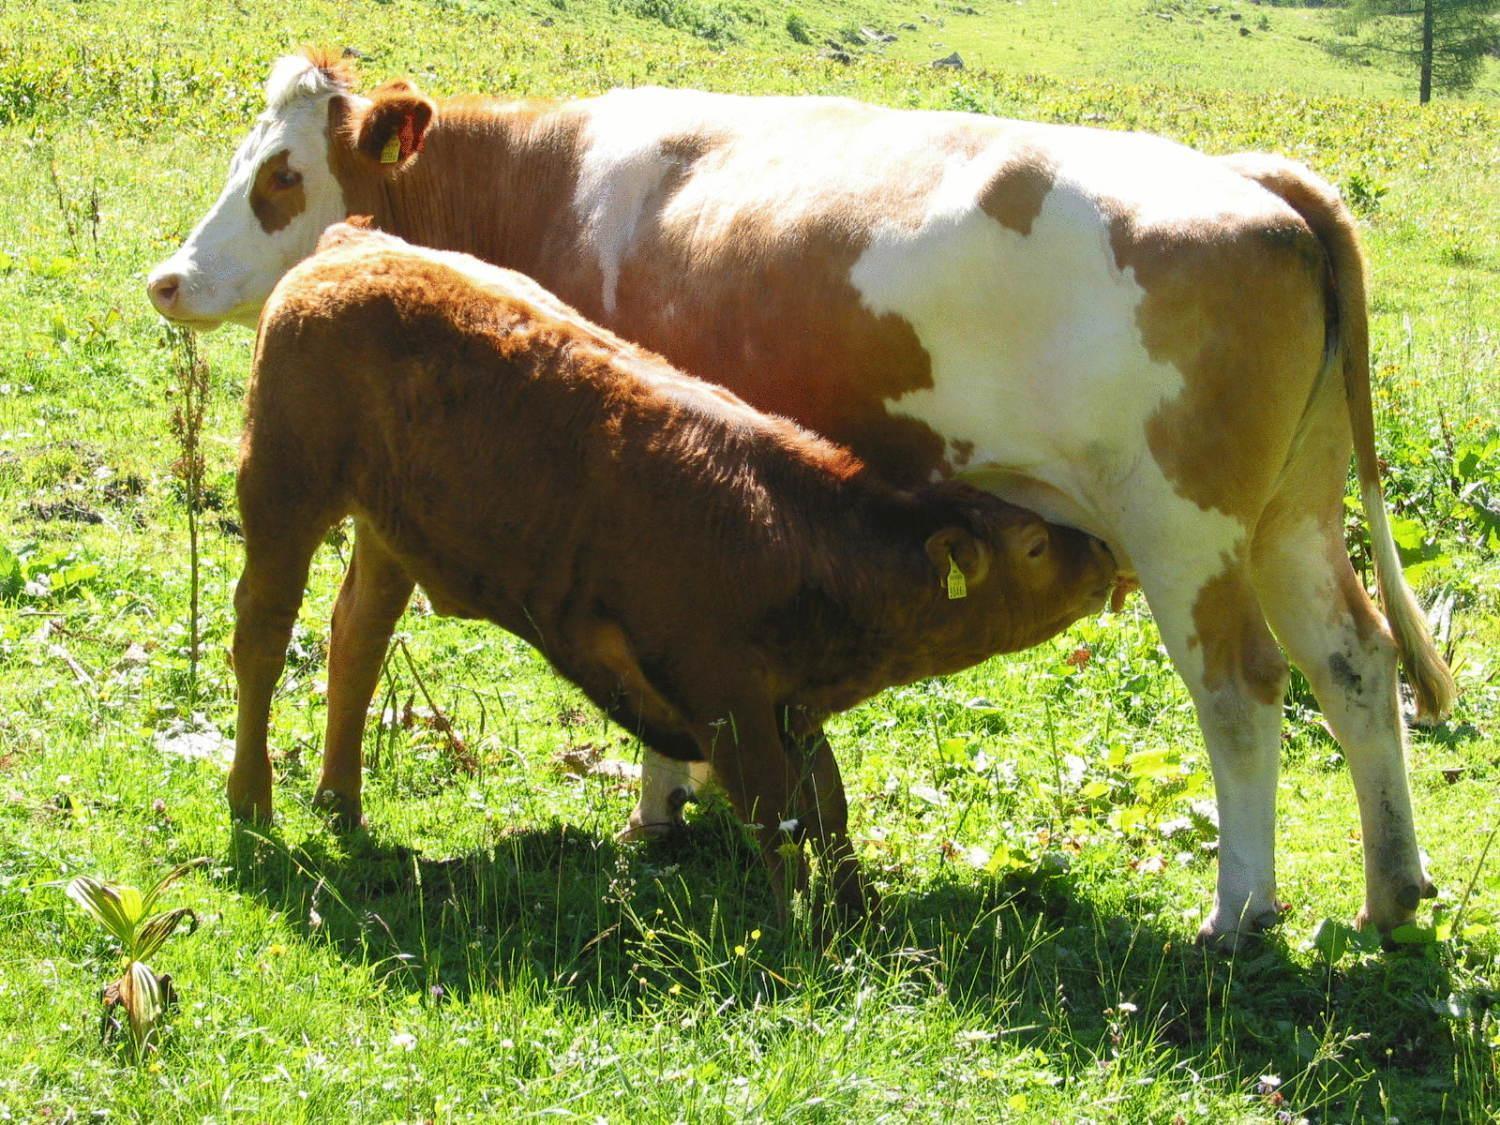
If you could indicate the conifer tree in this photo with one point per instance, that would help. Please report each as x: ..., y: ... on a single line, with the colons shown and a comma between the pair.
x: 1445, y: 41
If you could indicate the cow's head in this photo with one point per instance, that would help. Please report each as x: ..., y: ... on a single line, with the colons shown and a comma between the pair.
x: 289, y: 179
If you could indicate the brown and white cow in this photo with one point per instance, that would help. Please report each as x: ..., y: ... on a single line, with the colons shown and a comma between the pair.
x: 1163, y: 348
x: 717, y: 579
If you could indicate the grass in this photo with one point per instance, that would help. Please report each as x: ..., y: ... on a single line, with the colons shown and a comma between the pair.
x: 1039, y: 828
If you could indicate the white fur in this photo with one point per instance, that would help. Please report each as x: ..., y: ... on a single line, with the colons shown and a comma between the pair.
x: 295, y: 76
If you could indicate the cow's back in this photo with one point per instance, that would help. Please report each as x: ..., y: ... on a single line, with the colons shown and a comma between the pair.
x: 944, y: 292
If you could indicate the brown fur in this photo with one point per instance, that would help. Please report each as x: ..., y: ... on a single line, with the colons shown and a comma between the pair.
x: 275, y: 203
x: 1194, y: 277
x: 718, y: 580
x: 1015, y: 196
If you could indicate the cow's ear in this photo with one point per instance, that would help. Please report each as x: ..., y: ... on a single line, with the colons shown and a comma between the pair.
x: 393, y: 127
x: 954, y: 546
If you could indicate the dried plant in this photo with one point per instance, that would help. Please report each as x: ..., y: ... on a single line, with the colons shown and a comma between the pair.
x: 189, y: 391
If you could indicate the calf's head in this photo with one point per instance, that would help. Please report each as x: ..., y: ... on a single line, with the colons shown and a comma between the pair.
x: 292, y: 176
x: 1002, y: 579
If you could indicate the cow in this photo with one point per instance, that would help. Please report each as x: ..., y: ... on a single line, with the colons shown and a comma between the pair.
x: 1163, y: 348
x: 718, y: 580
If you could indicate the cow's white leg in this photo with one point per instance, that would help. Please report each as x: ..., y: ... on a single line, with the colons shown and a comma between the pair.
x: 1213, y: 627
x: 666, y: 785
x: 1336, y: 637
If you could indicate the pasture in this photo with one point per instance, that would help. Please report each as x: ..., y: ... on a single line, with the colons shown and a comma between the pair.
x: 1041, y: 828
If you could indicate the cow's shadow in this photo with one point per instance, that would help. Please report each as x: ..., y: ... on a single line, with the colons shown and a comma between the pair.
x: 1032, y: 958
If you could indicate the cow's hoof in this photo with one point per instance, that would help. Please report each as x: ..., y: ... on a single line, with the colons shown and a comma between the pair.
x: 1221, y: 938
x: 344, y: 813
x: 1398, y: 909
x: 250, y: 815
x: 640, y: 830
x: 643, y: 825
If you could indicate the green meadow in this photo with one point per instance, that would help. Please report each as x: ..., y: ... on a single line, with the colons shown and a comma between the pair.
x: 1041, y: 828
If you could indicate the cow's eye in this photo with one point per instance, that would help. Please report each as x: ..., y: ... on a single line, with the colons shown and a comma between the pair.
x: 284, y: 178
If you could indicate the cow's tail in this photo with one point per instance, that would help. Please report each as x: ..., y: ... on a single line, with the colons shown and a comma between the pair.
x: 1321, y: 208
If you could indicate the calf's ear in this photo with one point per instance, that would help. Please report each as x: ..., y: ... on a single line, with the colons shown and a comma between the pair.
x: 971, y: 555
x: 393, y: 127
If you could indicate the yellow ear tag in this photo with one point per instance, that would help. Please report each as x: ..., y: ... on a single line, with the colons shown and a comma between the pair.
x: 957, y: 586
x: 391, y: 153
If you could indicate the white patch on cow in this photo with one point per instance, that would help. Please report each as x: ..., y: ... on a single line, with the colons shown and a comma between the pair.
x: 228, y: 265
x: 1037, y: 361
x: 621, y: 170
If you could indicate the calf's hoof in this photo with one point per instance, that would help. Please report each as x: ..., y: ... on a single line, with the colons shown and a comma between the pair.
x: 344, y: 812
x: 249, y: 804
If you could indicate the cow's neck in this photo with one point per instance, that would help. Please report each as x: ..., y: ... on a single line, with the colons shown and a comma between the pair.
x: 495, y: 180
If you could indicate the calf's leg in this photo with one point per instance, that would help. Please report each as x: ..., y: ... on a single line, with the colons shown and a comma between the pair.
x: 747, y: 756
x: 265, y: 608
x: 823, y: 816
x: 371, y: 600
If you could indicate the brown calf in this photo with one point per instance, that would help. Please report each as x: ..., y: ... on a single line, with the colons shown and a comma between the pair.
x: 718, y: 580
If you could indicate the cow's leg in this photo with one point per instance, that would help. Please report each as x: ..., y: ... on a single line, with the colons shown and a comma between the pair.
x: 823, y: 816
x: 1196, y: 579
x: 1335, y: 635
x: 371, y: 600
x: 265, y: 608
x: 666, y: 786
x: 1340, y: 642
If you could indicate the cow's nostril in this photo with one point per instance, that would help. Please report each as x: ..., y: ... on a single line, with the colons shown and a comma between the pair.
x: 164, y: 290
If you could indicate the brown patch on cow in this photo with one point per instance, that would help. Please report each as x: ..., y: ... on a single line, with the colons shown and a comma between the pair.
x: 1015, y: 196
x: 277, y: 195
x: 777, y: 320
x: 494, y: 179
x: 1238, y: 649
x: 770, y: 314
x: 1237, y: 307
x: 1368, y: 622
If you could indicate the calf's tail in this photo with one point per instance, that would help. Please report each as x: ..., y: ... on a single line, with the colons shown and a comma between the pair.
x: 1321, y: 208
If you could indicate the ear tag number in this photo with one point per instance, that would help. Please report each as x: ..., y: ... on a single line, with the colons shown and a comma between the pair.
x: 391, y: 153
x: 958, y: 587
